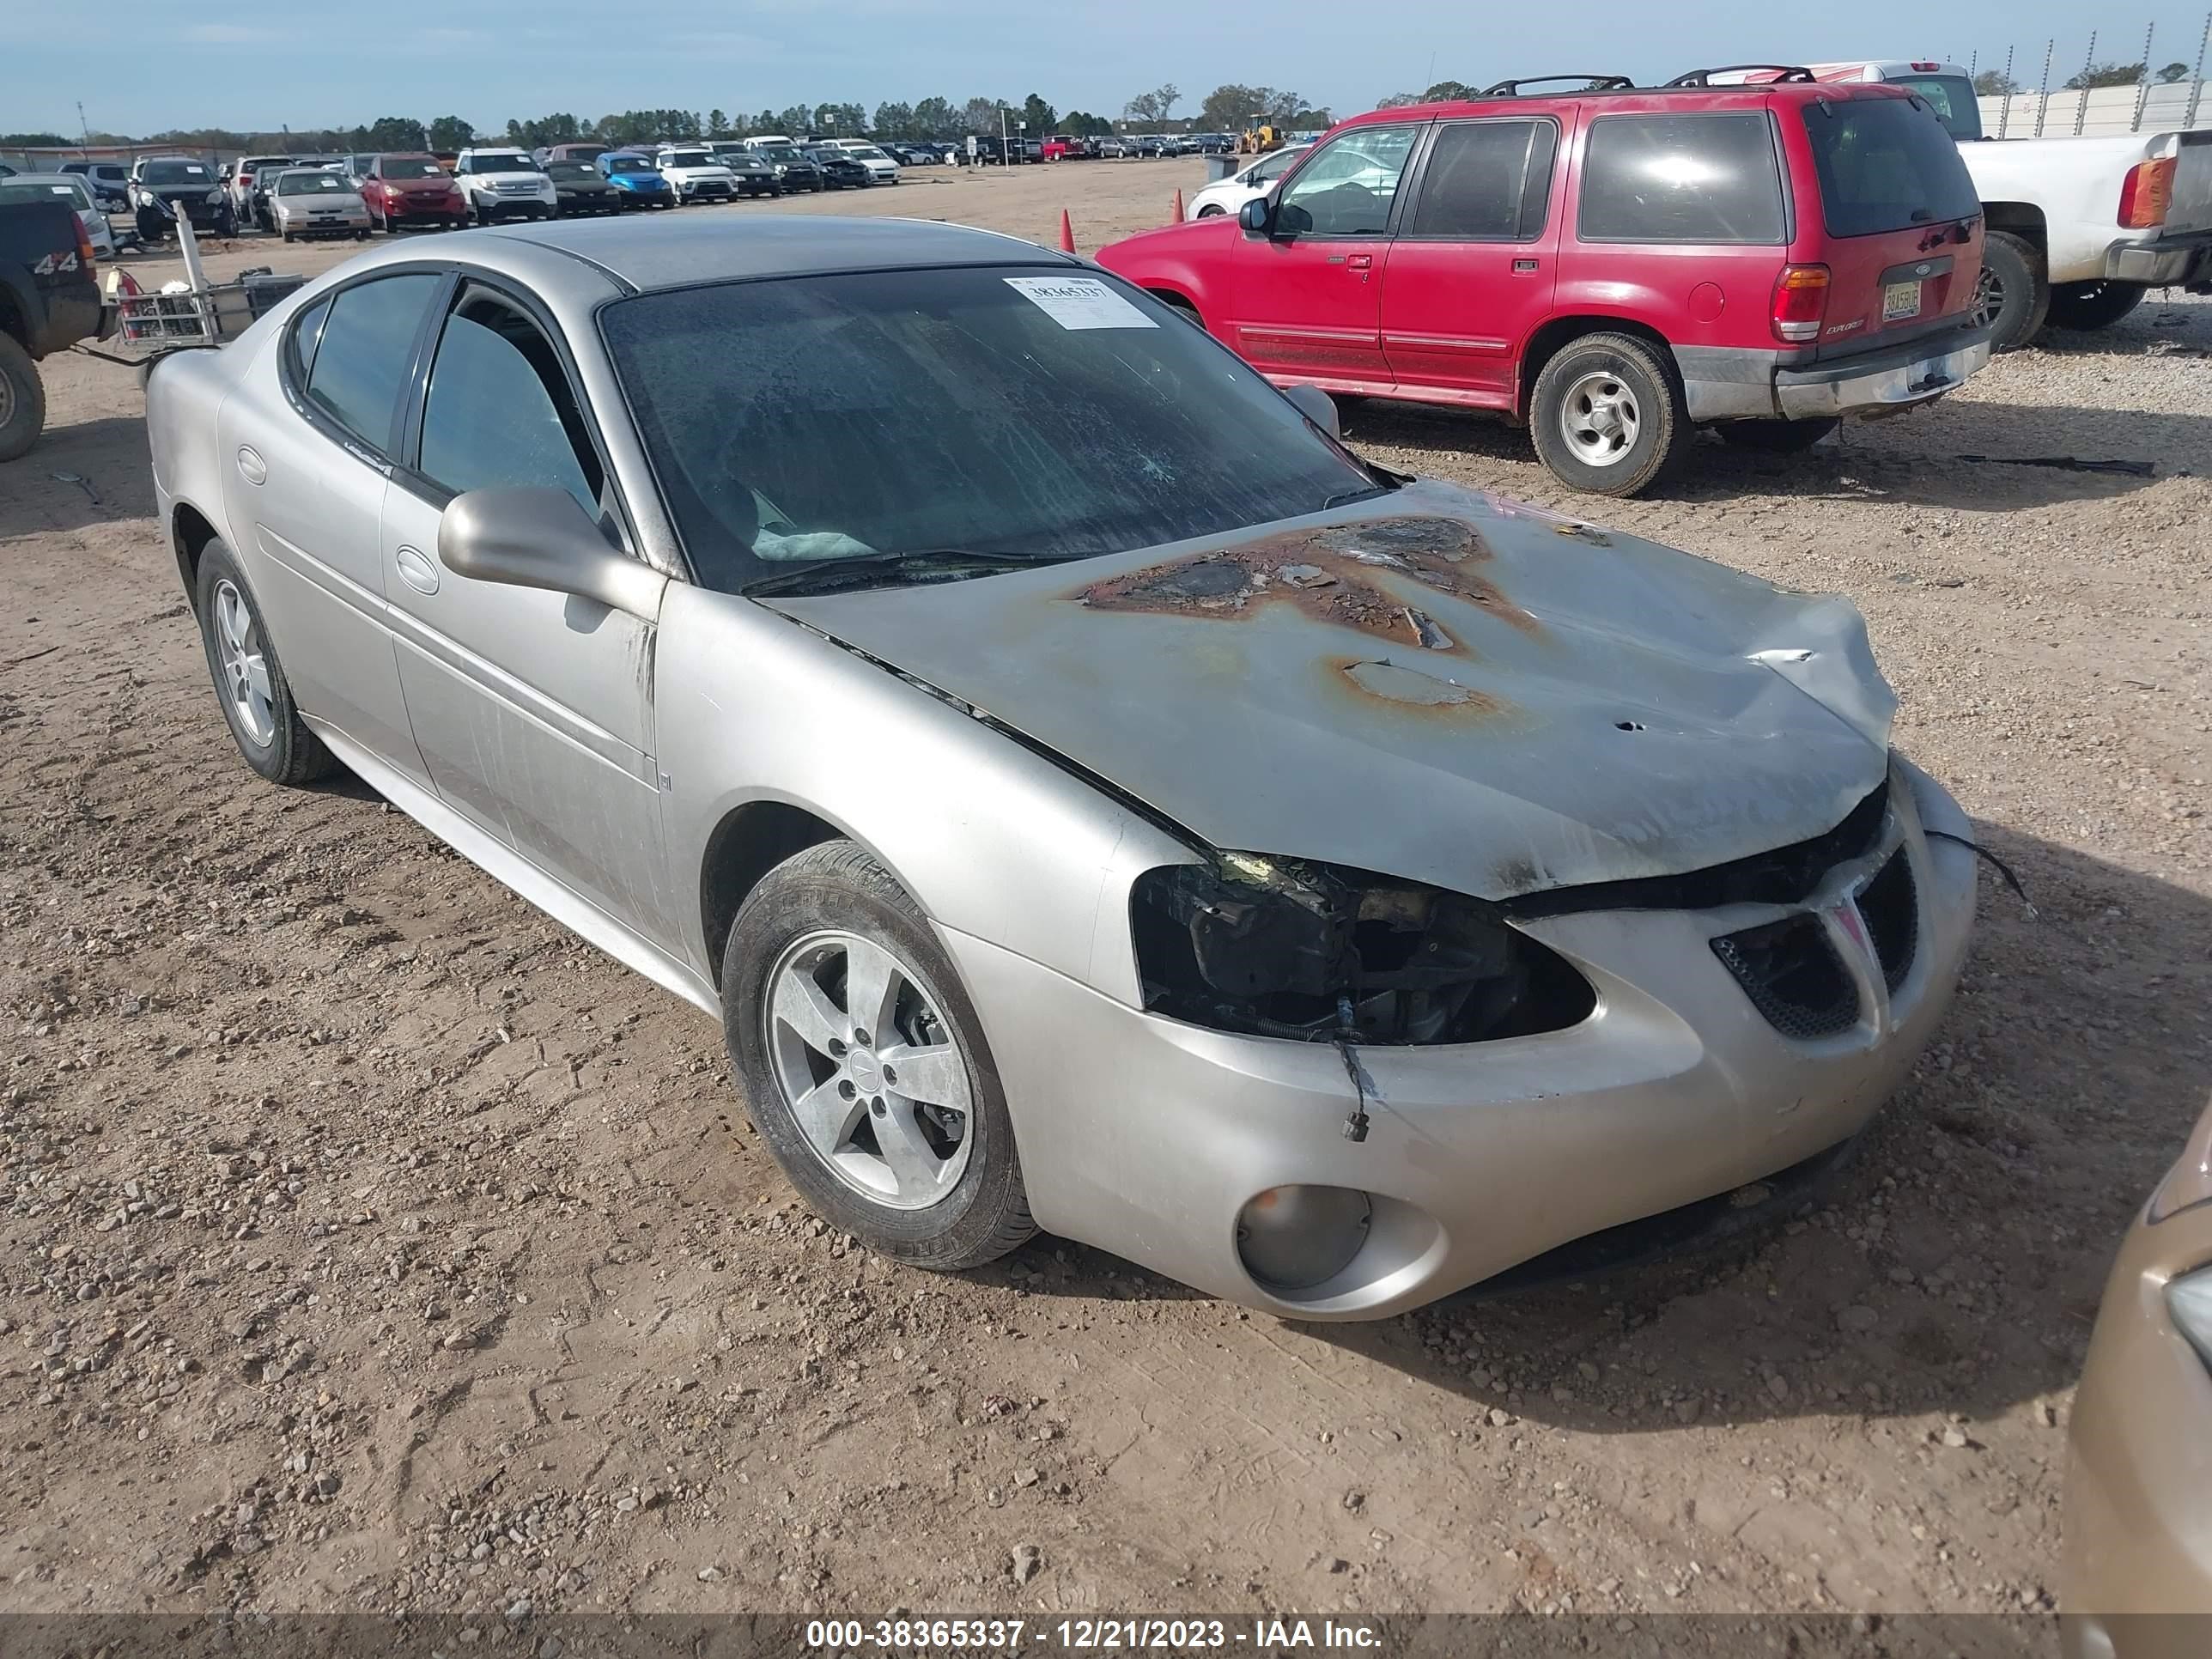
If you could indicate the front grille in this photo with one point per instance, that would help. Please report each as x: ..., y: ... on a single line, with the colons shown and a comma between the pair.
x: 1890, y: 909
x: 1793, y: 976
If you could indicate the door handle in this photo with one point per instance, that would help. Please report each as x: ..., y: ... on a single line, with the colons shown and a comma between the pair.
x: 251, y: 466
x: 1524, y: 267
x: 417, y: 570
x: 1360, y: 261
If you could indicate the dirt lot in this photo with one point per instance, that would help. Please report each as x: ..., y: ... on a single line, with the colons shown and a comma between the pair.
x: 368, y: 1242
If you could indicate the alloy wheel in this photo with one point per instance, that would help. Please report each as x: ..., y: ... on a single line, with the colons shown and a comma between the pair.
x: 244, y: 664
x: 1989, y: 299
x: 867, y: 1068
x: 1599, y: 418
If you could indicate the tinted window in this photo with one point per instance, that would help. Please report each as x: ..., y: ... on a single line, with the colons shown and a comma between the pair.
x: 1682, y: 179
x: 499, y: 411
x: 407, y: 169
x: 1046, y: 413
x: 306, y: 335
x: 1952, y: 98
x: 1346, y: 186
x: 173, y: 173
x: 1486, y: 181
x: 367, y: 344
x: 1886, y: 164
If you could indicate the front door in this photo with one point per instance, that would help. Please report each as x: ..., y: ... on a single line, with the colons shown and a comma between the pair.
x: 1305, y: 299
x: 533, y: 710
x: 1472, y: 268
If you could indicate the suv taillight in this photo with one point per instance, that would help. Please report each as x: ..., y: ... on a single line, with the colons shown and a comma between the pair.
x: 2147, y: 194
x: 1801, y: 303
x: 84, y: 254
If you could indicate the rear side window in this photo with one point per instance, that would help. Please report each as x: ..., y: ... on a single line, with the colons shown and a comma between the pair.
x: 1487, y: 181
x: 1886, y: 164
x: 367, y: 346
x: 1711, y: 178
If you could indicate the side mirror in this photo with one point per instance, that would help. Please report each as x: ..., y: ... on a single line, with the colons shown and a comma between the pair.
x: 538, y: 537
x: 1315, y: 404
x: 1256, y: 215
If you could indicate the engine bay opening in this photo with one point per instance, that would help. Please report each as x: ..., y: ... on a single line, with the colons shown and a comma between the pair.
x: 1282, y: 947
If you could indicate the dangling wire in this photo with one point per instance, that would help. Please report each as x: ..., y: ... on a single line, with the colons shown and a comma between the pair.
x: 1347, y: 1033
x: 1995, y: 862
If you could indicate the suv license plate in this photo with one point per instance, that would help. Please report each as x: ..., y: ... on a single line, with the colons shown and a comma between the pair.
x: 1900, y: 301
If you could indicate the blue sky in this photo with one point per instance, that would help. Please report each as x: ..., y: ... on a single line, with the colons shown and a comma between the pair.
x: 487, y: 63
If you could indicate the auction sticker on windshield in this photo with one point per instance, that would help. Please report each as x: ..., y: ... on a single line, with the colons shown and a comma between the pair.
x: 1079, y: 302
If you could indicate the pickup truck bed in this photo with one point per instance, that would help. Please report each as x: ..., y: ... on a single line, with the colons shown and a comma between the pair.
x: 49, y: 301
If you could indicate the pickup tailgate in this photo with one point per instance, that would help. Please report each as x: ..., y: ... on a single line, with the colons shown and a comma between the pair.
x: 44, y: 260
x: 1896, y: 221
x: 2192, y: 185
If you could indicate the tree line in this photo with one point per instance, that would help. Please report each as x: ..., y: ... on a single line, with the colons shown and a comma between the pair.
x: 1996, y: 84
x: 1225, y: 109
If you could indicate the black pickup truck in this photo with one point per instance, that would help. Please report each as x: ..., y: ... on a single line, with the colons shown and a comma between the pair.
x: 49, y: 301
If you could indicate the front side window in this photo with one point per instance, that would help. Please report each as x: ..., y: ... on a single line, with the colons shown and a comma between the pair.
x: 1024, y: 412
x: 367, y: 346
x: 499, y: 411
x: 1886, y: 164
x: 1347, y: 187
x: 1711, y: 179
x: 1487, y: 181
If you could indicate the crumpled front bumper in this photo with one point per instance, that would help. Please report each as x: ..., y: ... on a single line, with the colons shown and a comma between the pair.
x: 1146, y: 1136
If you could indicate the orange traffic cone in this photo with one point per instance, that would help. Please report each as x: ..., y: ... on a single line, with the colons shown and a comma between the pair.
x: 1066, y: 233
x: 1178, y: 209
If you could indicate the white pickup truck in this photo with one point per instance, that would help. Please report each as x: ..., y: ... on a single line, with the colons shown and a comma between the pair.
x: 2079, y: 229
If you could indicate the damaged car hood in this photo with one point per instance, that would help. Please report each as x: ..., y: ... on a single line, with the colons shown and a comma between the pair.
x: 1438, y: 685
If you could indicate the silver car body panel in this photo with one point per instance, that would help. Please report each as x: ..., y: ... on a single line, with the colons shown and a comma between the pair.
x: 1037, y: 740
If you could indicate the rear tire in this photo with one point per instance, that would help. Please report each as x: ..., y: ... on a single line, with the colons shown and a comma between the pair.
x: 2093, y: 305
x: 22, y: 400
x: 1775, y: 437
x: 2013, y: 296
x: 835, y: 900
x: 1606, y: 416
x: 272, y: 737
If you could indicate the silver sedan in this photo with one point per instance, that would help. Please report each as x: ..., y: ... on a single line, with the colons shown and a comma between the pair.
x: 1090, y: 796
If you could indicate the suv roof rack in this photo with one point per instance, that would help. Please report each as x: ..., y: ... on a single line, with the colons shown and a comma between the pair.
x: 1704, y: 77
x: 1595, y: 83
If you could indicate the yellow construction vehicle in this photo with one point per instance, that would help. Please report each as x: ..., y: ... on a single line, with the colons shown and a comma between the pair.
x: 1259, y: 141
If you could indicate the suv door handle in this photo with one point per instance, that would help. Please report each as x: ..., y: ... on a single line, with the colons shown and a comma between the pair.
x: 1360, y: 261
x: 1524, y: 267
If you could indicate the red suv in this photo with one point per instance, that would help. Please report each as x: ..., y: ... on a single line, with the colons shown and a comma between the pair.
x: 1611, y: 265
x: 412, y: 189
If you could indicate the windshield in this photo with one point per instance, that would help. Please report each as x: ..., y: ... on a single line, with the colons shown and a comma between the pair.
x: 309, y: 183
x: 1030, y: 411
x: 255, y: 163
x: 22, y: 188
x: 1952, y: 98
x: 1886, y: 164
x: 572, y: 171
x: 498, y: 163
x: 412, y: 170
x: 687, y: 158
x: 869, y: 153
x: 173, y: 173
x: 626, y: 164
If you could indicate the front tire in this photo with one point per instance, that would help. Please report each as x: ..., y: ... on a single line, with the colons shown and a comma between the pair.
x: 1606, y: 416
x: 22, y: 399
x: 863, y: 1065
x: 250, y: 685
x: 2012, y: 295
x: 1211, y: 210
x: 2093, y: 305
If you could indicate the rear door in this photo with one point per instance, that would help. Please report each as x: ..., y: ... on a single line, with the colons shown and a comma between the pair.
x: 1471, y: 269
x: 1884, y: 201
x: 1305, y: 302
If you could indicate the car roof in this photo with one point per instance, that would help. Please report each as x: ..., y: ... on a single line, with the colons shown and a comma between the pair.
x: 1737, y: 93
x: 677, y: 251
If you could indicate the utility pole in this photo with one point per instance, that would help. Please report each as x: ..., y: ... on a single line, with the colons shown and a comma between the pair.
x: 84, y: 130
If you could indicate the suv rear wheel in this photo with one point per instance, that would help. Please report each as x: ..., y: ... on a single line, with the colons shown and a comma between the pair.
x: 1606, y: 416
x: 2012, y: 296
x: 2093, y: 305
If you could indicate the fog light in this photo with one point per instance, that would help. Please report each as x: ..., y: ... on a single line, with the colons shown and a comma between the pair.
x: 1292, y: 1238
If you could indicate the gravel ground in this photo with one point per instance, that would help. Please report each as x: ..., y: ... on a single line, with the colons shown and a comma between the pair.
x: 368, y: 1242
